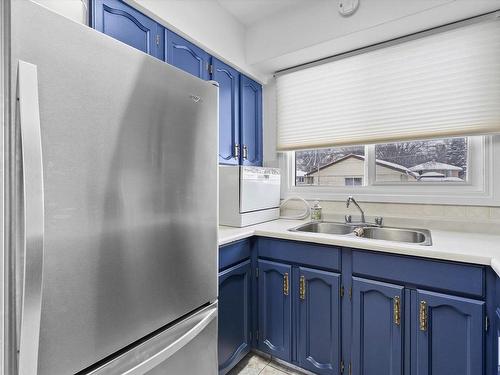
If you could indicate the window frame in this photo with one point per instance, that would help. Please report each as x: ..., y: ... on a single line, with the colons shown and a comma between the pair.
x: 479, y: 189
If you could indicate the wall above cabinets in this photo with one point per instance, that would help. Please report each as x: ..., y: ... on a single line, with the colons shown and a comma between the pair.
x: 240, y: 98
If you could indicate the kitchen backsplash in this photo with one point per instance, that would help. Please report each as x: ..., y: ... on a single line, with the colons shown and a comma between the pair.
x: 456, y: 218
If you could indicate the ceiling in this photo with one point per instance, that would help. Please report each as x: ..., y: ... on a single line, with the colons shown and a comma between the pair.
x: 249, y: 12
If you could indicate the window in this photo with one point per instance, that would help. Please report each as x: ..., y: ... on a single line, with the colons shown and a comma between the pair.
x: 353, y: 181
x: 438, y: 171
x: 432, y: 161
x: 438, y: 160
x: 338, y: 166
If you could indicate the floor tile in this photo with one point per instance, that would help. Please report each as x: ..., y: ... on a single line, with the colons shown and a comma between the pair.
x: 250, y: 365
x: 284, y: 369
x: 269, y: 370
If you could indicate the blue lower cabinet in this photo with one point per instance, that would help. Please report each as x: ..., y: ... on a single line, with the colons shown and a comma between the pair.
x: 186, y: 56
x: 275, y: 309
x: 234, y: 315
x: 122, y: 22
x: 319, y: 321
x: 449, y: 335
x: 377, y: 319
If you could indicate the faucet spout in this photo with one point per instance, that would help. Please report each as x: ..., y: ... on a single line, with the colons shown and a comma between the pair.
x: 352, y: 200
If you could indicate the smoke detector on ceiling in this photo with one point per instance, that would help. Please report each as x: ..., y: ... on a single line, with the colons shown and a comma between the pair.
x: 348, y: 7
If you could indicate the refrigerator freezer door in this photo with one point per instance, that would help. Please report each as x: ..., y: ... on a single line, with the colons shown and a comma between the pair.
x: 129, y: 149
x: 189, y: 347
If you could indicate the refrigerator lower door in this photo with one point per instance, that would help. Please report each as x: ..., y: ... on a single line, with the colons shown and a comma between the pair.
x: 188, y: 347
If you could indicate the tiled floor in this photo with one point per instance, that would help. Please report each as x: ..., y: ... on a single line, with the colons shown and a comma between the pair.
x: 253, y: 364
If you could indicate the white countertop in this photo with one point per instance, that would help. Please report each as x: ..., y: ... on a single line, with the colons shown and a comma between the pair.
x: 466, y: 247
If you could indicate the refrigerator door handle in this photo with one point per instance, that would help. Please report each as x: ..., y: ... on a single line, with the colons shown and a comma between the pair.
x: 146, y: 357
x: 174, y: 346
x: 33, y: 220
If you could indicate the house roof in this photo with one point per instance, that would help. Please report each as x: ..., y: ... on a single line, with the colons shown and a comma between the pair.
x: 441, y: 179
x: 383, y: 163
x: 434, y: 165
x: 432, y: 174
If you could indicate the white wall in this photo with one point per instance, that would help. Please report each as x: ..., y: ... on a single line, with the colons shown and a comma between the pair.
x: 206, y: 24
x: 77, y: 10
x: 269, y: 124
x: 317, y: 30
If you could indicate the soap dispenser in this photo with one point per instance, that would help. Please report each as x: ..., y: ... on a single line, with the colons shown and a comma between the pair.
x: 316, y: 211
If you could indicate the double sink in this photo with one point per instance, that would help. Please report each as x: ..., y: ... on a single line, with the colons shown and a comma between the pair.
x: 363, y: 230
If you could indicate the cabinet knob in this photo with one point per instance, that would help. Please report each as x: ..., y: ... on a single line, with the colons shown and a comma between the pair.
x: 423, y: 312
x: 236, y: 151
x: 285, y: 284
x: 302, y: 288
x: 397, y: 310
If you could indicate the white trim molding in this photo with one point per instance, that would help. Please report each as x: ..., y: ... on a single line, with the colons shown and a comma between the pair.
x: 481, y: 189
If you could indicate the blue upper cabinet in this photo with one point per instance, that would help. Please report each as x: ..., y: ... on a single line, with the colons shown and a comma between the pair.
x: 251, y: 121
x: 122, y: 22
x: 450, y: 335
x: 186, y: 56
x: 234, y: 315
x: 229, y: 129
x: 275, y: 309
x: 377, y: 319
x: 319, y: 321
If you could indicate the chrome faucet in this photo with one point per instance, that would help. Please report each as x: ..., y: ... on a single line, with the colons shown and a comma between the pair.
x: 349, y: 200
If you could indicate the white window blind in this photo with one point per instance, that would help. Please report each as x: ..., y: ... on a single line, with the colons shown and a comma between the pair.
x: 440, y: 85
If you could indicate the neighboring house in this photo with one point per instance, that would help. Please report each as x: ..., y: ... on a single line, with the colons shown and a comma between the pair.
x: 436, y: 171
x: 300, y: 177
x: 349, y: 171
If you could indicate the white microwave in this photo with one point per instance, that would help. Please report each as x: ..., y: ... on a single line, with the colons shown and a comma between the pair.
x: 248, y: 195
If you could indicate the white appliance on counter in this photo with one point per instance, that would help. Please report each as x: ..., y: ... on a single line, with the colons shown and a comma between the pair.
x: 248, y: 195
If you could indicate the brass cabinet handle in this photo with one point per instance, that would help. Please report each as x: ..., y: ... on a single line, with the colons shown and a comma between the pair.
x: 285, y: 284
x: 236, y: 151
x: 397, y: 310
x: 423, y: 315
x: 302, y: 288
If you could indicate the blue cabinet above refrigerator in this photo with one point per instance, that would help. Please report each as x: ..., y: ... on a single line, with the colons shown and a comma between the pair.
x: 186, y: 56
x: 122, y: 22
x: 240, y: 99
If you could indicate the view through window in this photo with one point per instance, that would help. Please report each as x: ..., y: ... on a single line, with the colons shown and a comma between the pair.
x: 434, y: 161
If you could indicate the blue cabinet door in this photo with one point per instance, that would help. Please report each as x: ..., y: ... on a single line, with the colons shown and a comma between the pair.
x: 377, y: 326
x: 275, y: 309
x: 186, y: 56
x: 122, y: 22
x: 450, y: 335
x: 229, y: 134
x: 251, y: 121
x: 319, y: 321
x: 234, y: 315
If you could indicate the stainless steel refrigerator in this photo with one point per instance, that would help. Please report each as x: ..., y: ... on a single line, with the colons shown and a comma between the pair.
x: 115, y: 205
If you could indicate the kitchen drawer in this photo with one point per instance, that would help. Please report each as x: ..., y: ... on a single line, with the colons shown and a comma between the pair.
x: 303, y: 253
x: 439, y: 275
x: 233, y: 253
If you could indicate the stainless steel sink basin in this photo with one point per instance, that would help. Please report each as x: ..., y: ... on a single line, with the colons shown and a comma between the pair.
x: 325, y: 227
x: 416, y: 236
x: 406, y: 235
